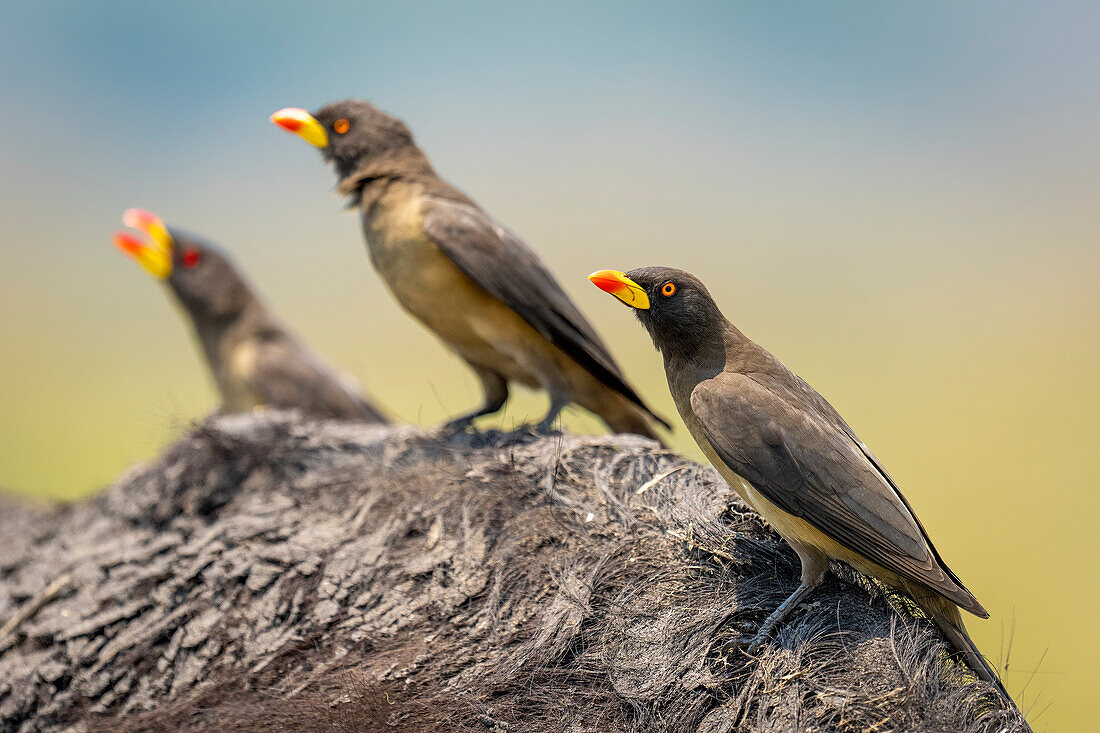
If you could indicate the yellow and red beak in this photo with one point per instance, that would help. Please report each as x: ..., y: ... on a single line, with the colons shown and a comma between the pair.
x: 622, y: 287
x: 155, y: 255
x: 302, y: 124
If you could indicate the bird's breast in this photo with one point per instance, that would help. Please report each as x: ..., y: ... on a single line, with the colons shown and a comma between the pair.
x: 421, y: 277
x: 431, y: 288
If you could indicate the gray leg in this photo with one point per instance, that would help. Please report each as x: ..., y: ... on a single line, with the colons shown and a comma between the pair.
x: 557, y: 404
x: 495, y: 388
x: 778, y: 615
x: 814, y: 566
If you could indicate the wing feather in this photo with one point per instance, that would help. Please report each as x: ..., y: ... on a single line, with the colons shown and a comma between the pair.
x: 814, y: 468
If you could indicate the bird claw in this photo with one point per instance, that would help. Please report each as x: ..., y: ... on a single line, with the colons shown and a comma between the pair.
x: 457, y: 425
x: 755, y: 644
x: 543, y: 428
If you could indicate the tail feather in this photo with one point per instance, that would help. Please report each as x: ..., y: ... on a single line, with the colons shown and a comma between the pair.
x: 955, y: 632
x: 619, y: 413
x: 626, y: 417
x: 947, y: 617
x: 630, y: 419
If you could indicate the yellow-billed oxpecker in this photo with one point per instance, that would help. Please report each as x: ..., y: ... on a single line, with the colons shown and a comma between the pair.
x: 255, y: 360
x: 790, y: 455
x: 462, y: 274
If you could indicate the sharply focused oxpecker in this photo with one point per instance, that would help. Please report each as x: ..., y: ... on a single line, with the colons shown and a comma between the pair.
x: 466, y: 277
x: 255, y: 360
x: 790, y: 456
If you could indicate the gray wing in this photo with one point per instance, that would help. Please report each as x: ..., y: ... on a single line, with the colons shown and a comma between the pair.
x: 498, y: 261
x: 816, y: 470
x: 287, y: 375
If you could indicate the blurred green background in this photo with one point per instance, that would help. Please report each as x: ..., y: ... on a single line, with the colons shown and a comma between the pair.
x: 899, y: 201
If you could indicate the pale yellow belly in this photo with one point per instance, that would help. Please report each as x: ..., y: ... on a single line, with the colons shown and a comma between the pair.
x: 234, y: 379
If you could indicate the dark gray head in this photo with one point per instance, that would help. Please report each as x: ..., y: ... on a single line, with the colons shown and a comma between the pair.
x: 673, y: 305
x: 351, y: 134
x: 202, y: 277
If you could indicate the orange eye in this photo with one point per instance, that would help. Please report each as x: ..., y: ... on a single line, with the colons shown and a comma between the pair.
x: 341, y: 126
x: 668, y: 289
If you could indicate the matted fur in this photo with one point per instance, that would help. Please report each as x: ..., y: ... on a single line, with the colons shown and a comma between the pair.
x: 272, y: 574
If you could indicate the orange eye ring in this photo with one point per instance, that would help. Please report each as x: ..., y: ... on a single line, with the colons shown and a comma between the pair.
x: 341, y: 126
x: 668, y: 289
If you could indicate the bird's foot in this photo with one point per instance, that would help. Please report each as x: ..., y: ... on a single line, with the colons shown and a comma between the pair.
x: 778, y: 615
x: 547, y: 425
x: 544, y: 428
x: 756, y: 643
x: 459, y: 424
